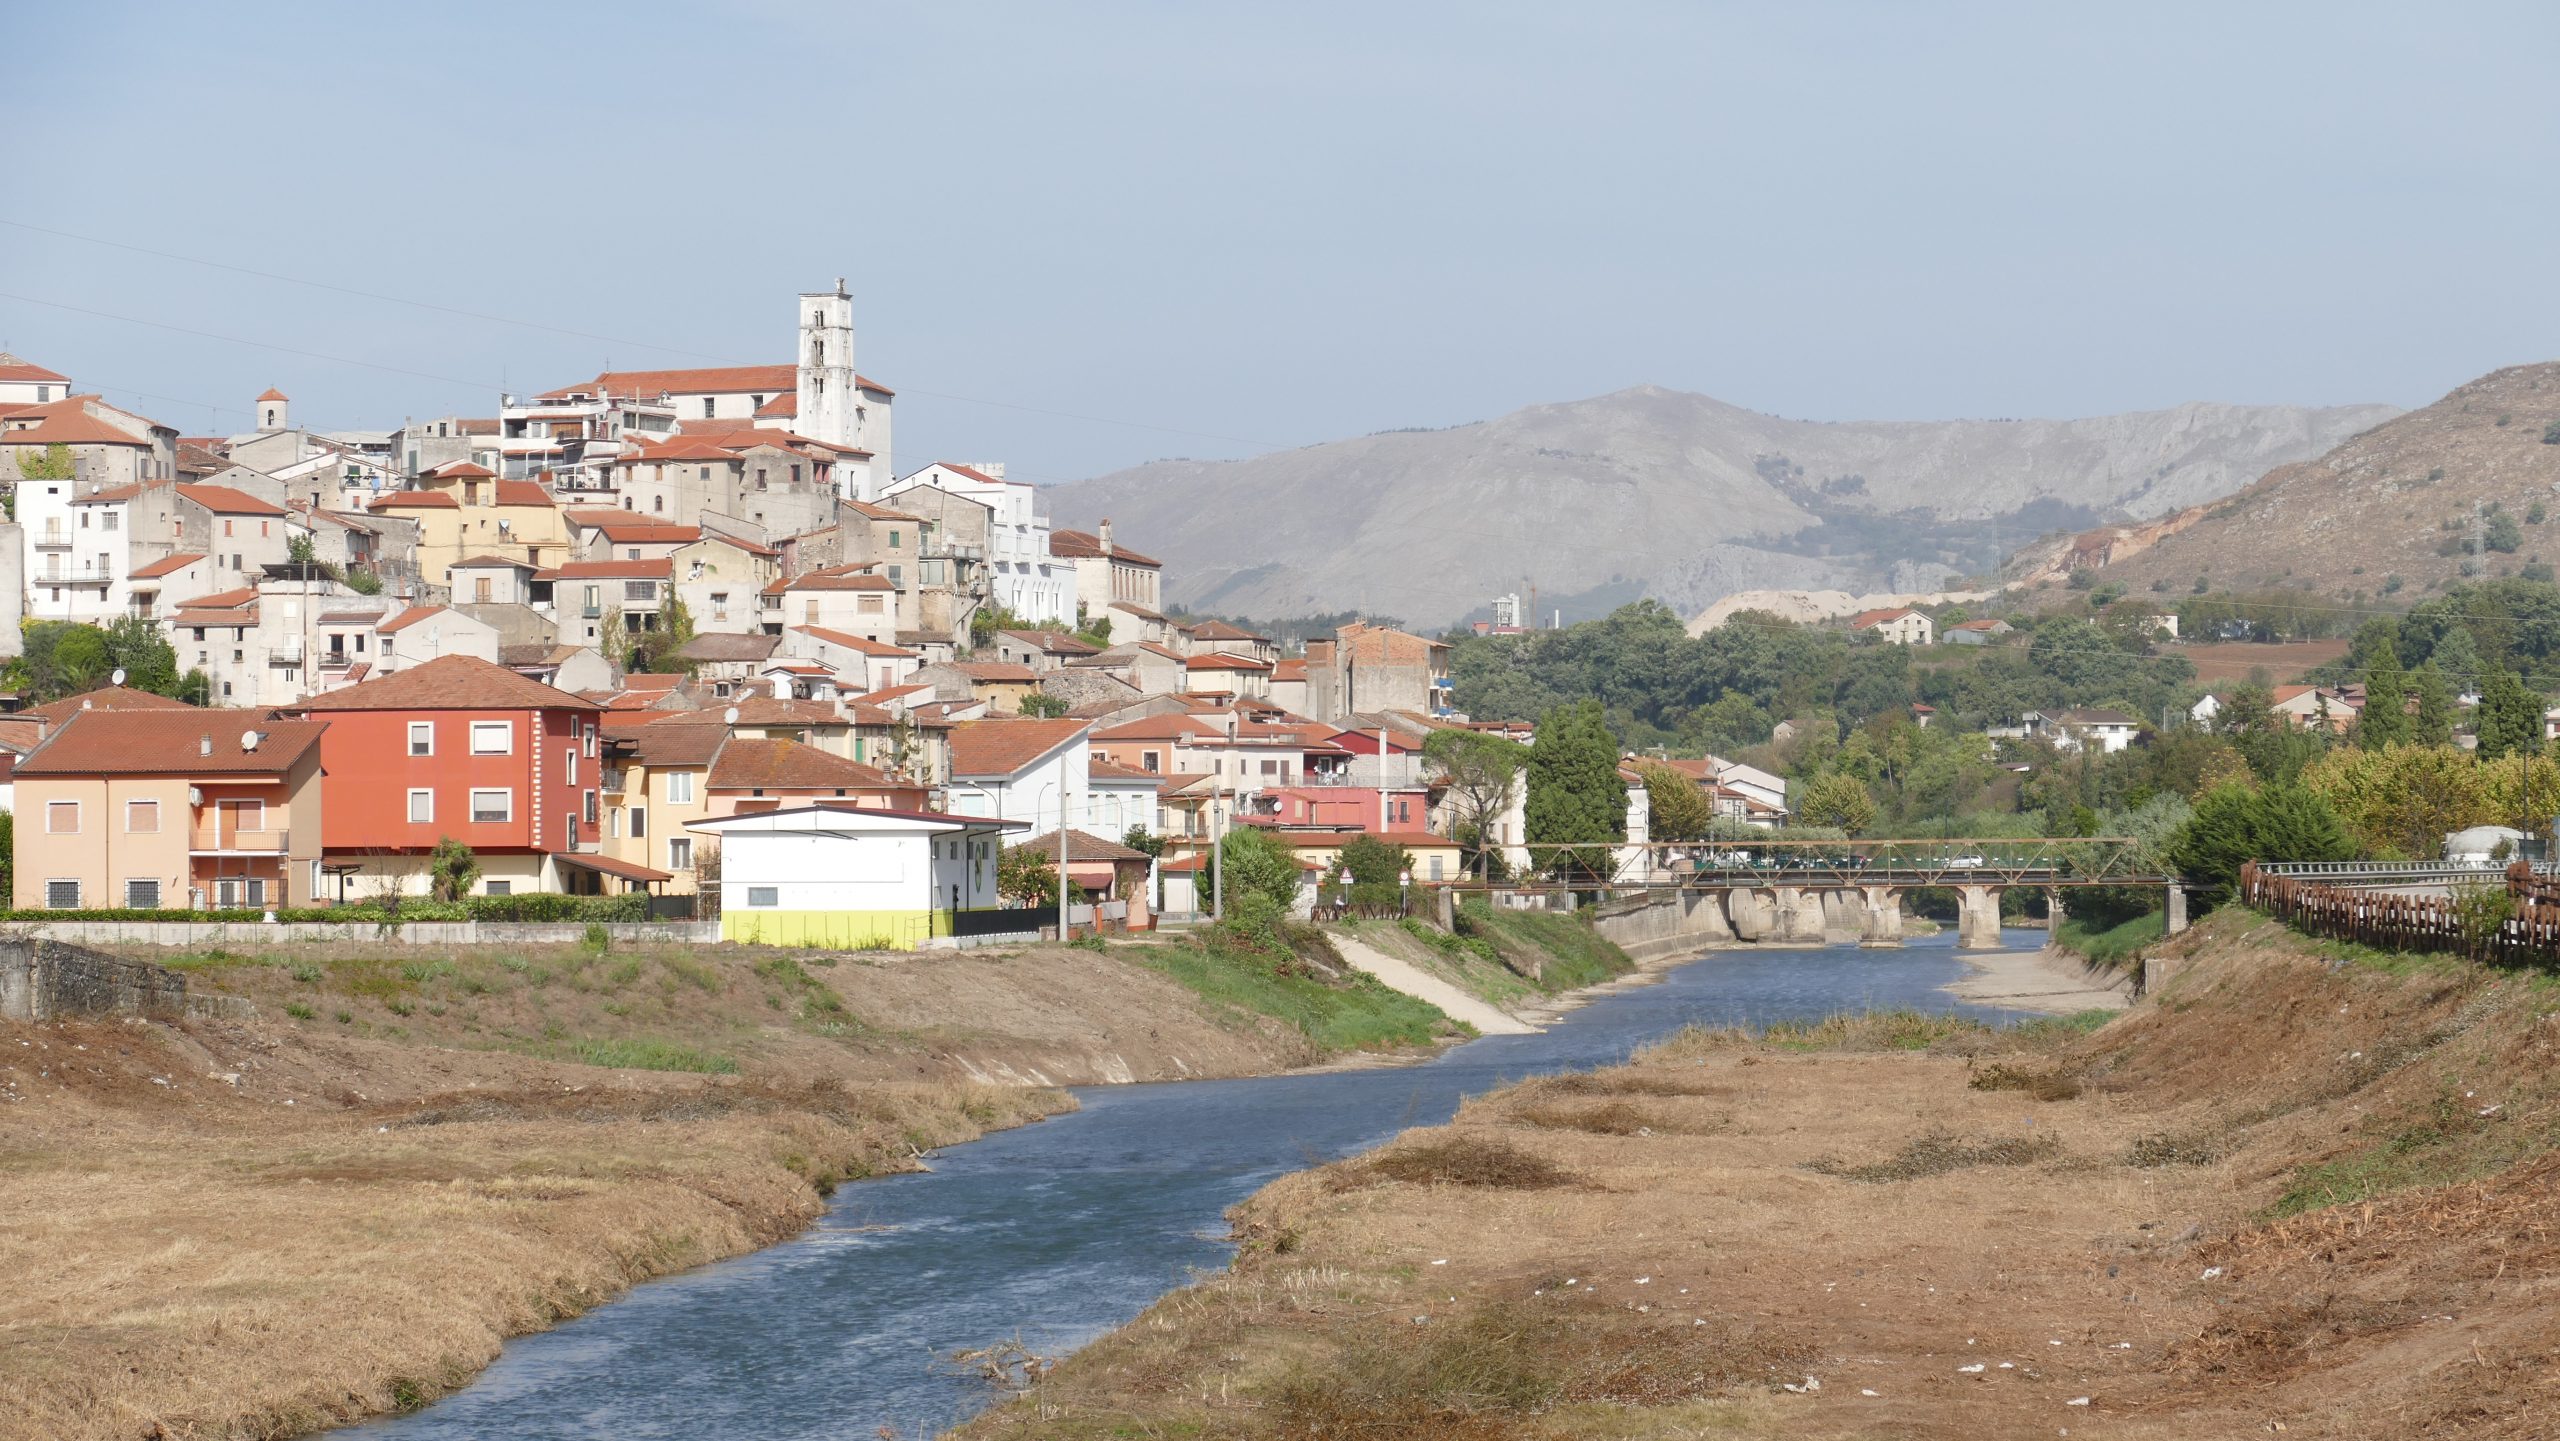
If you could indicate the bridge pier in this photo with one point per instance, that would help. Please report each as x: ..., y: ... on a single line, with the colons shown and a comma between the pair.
x: 1883, y: 925
x: 2176, y: 913
x: 1799, y: 914
x: 1977, y: 918
x: 2053, y: 913
x: 1753, y: 913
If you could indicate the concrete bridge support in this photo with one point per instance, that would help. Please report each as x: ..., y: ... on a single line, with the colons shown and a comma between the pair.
x: 1884, y: 917
x: 1977, y: 918
x: 1799, y: 914
x: 2176, y: 914
x: 1753, y: 913
x: 2053, y: 914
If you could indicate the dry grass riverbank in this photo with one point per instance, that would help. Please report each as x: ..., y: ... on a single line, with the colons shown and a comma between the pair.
x: 343, y: 1206
x: 2301, y: 1191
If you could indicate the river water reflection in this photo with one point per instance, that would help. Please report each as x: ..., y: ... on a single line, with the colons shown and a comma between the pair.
x: 1061, y: 1231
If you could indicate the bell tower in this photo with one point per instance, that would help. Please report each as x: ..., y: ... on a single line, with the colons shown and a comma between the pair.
x: 827, y: 396
x: 271, y: 411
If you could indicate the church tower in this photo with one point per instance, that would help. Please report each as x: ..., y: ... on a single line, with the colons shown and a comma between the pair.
x: 271, y: 411
x: 827, y: 395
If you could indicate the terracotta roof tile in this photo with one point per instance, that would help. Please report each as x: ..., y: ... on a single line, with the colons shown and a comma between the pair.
x: 1004, y: 747
x: 166, y: 565
x: 789, y: 765
x: 171, y: 742
x: 854, y: 643
x: 453, y: 682
x: 1085, y: 545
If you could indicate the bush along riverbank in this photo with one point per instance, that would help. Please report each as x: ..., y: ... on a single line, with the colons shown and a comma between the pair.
x: 2301, y: 1188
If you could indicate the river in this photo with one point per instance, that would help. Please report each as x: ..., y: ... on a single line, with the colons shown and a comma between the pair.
x: 1058, y: 1232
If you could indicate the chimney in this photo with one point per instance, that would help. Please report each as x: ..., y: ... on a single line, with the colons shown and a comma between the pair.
x: 1105, y: 535
x: 839, y: 287
x: 204, y: 745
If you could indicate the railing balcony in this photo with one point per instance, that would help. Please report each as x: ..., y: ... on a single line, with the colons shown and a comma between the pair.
x: 285, y: 653
x: 54, y: 540
x: 591, y: 611
x: 219, y: 840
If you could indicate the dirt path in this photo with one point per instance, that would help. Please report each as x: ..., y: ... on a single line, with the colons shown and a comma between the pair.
x: 1487, y: 1018
x: 2050, y: 981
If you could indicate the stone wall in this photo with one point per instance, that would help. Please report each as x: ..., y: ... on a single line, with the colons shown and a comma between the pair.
x: 41, y: 980
x: 422, y: 933
x: 1663, y: 923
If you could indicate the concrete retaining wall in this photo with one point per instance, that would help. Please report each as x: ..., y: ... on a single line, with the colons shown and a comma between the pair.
x: 1649, y: 927
x: 415, y: 933
x: 41, y: 980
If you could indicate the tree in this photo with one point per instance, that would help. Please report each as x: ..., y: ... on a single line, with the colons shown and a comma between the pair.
x: 1479, y: 771
x: 451, y: 869
x: 906, y: 758
x: 1258, y: 862
x: 136, y: 647
x: 2385, y: 718
x: 2234, y: 825
x: 55, y: 464
x: 1377, y: 870
x: 1027, y: 875
x: 2433, y: 724
x: 1838, y: 800
x: 2510, y: 717
x: 2404, y: 800
x: 1041, y: 705
x: 1677, y: 807
x: 1576, y: 797
x: 2502, y: 534
x: 658, y: 651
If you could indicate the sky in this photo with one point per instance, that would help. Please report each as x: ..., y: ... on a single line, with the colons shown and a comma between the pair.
x: 1081, y: 237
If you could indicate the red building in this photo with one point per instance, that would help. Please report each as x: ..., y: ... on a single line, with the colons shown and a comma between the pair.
x: 462, y: 748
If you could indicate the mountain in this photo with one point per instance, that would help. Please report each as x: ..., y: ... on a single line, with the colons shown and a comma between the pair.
x: 2391, y: 511
x: 1657, y: 492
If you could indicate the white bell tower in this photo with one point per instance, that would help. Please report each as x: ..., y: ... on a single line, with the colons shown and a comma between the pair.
x: 827, y: 394
x: 271, y: 411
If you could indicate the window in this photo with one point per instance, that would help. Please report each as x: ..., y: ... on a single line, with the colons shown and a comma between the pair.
x: 499, y: 888
x: 679, y: 853
x: 232, y: 893
x: 142, y: 895
x: 1271, y: 768
x: 761, y: 897
x: 639, y: 822
x: 706, y: 407
x: 422, y: 738
x: 897, y: 577
x: 62, y: 818
x: 893, y: 539
x: 591, y: 808
x: 62, y: 895
x: 1435, y: 868
x: 422, y: 807
x: 226, y: 530
x: 142, y: 818
x: 680, y: 787
x: 573, y: 765
x: 493, y: 807
x: 492, y: 738
x: 109, y: 521
x: 1152, y: 761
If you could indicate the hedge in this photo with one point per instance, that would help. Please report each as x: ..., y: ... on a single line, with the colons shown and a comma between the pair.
x: 537, y: 907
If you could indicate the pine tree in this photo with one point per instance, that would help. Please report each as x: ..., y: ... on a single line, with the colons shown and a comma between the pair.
x: 1575, y: 792
x: 2385, y: 720
x: 2433, y: 724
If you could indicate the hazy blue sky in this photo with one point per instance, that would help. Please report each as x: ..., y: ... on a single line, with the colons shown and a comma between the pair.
x: 1272, y: 225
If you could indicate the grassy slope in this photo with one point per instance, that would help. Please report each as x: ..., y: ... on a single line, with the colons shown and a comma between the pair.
x: 2111, y: 945
x: 1336, y: 1011
x: 1509, y: 958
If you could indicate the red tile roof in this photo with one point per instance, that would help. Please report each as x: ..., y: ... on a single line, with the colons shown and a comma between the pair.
x: 1081, y: 846
x: 1085, y: 545
x: 785, y: 406
x: 166, y: 565
x: 223, y: 500
x: 1866, y: 618
x: 1005, y: 747
x: 461, y: 470
x: 789, y: 765
x: 1224, y: 661
x: 114, y: 697
x: 274, y: 394
x: 171, y: 742
x: 639, y: 530
x: 852, y: 642
x: 975, y: 474
x: 713, y: 380
x: 69, y: 427
x: 835, y: 577
x: 453, y: 682
x: 1056, y: 641
x: 415, y: 500
x: 996, y: 671
x: 525, y: 492
x: 12, y: 368
x: 408, y: 618
x: 659, y: 569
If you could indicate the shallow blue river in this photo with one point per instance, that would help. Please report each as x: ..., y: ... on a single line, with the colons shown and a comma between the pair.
x: 1059, y: 1231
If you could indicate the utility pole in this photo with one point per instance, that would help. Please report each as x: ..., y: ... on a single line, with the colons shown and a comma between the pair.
x: 1382, y: 780
x: 1062, y: 853
x: 1217, y: 862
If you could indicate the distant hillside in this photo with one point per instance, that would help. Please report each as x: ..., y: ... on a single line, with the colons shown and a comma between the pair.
x: 2399, y: 501
x: 1681, y: 497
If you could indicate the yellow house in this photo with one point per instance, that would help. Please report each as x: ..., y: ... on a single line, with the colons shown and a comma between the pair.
x: 1431, y: 858
x: 661, y: 778
x: 168, y: 809
x: 464, y: 510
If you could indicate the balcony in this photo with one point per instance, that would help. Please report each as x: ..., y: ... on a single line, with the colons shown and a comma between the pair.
x: 53, y: 540
x: 591, y: 611
x: 232, y: 841
x: 285, y: 653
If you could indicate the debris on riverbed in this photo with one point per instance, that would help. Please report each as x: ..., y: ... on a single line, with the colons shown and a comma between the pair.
x: 1008, y: 1364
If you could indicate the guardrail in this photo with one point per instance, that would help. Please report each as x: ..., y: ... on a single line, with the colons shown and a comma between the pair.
x: 2350, y: 872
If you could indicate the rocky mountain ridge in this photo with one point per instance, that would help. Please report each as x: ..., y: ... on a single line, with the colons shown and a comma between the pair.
x: 1657, y: 492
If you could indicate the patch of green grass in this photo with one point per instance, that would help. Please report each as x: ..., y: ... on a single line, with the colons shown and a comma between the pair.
x: 213, y: 959
x: 299, y: 1011
x: 1570, y: 954
x: 2112, y: 945
x: 1357, y: 1013
x: 2455, y: 1144
x: 642, y: 1053
x: 691, y: 972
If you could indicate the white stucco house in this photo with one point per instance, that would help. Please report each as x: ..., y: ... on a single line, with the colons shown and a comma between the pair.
x: 842, y: 876
x: 1022, y: 575
x: 1900, y: 625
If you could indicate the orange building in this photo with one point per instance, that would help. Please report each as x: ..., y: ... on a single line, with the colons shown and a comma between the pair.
x: 462, y: 748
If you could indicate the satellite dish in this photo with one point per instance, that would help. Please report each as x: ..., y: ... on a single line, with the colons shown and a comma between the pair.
x: 248, y: 740
x: 117, y: 678
x: 730, y: 715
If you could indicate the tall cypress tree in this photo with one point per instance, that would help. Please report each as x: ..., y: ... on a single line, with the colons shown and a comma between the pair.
x: 2433, y: 724
x: 2384, y: 721
x: 1575, y: 792
x: 2510, y: 717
